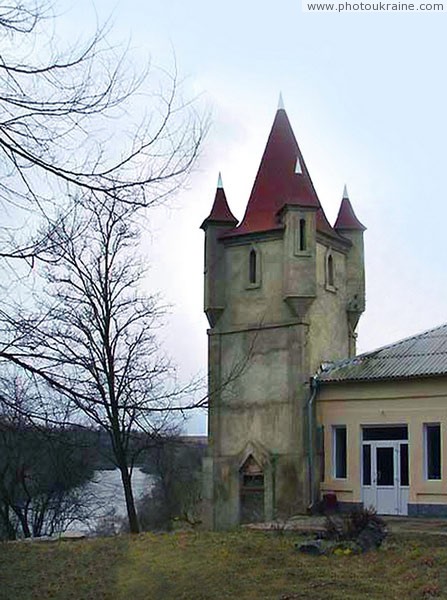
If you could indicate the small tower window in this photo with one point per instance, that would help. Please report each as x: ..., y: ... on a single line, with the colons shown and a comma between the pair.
x: 330, y: 271
x: 302, y: 234
x: 252, y: 267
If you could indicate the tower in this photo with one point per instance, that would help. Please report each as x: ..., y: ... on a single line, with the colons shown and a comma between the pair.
x: 284, y: 291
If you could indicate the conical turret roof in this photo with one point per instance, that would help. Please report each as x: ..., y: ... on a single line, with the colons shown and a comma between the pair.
x: 282, y: 179
x: 346, y: 218
x: 220, y: 211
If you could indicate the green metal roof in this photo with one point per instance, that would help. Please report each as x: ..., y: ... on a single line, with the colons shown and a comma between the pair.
x: 421, y: 355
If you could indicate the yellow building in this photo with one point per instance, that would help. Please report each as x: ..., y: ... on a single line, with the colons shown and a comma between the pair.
x: 384, y: 418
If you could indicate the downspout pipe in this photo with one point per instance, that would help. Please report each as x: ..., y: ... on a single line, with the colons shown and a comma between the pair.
x: 314, y: 381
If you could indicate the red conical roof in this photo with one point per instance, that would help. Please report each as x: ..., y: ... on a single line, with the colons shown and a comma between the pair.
x: 346, y: 216
x: 282, y: 179
x: 220, y: 211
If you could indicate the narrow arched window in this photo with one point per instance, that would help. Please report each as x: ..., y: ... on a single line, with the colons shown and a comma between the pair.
x: 252, y: 267
x: 330, y: 270
x: 302, y: 234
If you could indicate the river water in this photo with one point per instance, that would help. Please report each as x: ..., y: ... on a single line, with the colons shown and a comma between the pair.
x: 103, y: 500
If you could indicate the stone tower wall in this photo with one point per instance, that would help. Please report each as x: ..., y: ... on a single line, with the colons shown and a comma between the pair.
x: 261, y: 358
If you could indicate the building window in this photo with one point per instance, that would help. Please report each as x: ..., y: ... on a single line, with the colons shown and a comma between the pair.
x: 330, y: 271
x: 252, y: 267
x: 340, y: 454
x: 302, y: 236
x: 432, y: 435
x: 387, y: 433
x: 404, y: 470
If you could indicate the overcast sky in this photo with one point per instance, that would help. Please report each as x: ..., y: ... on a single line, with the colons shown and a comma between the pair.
x: 366, y: 95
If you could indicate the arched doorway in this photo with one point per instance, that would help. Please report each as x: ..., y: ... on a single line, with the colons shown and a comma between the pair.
x: 251, y: 492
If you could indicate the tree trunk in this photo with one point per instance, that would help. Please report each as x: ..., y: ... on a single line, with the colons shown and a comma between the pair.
x: 23, y: 518
x: 134, y: 526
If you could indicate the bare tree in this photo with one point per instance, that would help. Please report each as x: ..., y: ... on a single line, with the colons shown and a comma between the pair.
x: 86, y: 145
x: 93, y: 338
x: 77, y: 119
x: 176, y: 465
x: 40, y: 475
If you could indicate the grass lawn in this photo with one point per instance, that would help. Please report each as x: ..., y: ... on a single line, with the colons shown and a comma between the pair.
x: 201, y: 566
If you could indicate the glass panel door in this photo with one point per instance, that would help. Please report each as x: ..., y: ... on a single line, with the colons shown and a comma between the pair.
x: 366, y: 464
x: 385, y: 466
x: 385, y: 476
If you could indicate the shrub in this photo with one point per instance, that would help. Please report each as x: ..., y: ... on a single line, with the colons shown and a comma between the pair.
x: 361, y: 525
x: 176, y: 493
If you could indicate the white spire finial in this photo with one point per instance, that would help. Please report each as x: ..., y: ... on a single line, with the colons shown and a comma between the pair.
x: 219, y: 181
x: 280, y: 102
x: 345, y: 192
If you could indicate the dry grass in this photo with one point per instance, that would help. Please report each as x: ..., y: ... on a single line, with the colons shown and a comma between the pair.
x: 203, y: 566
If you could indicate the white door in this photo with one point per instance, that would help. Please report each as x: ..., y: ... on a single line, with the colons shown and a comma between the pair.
x: 385, y: 464
x: 385, y: 468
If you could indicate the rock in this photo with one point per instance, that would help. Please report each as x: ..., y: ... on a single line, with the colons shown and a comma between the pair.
x: 65, y: 536
x: 41, y: 540
x: 314, y: 548
x: 72, y: 535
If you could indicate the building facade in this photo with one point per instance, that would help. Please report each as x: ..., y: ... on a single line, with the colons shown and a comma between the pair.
x: 384, y: 420
x: 284, y: 291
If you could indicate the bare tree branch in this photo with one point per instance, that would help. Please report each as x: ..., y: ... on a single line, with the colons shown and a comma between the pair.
x: 80, y: 120
x: 93, y: 339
